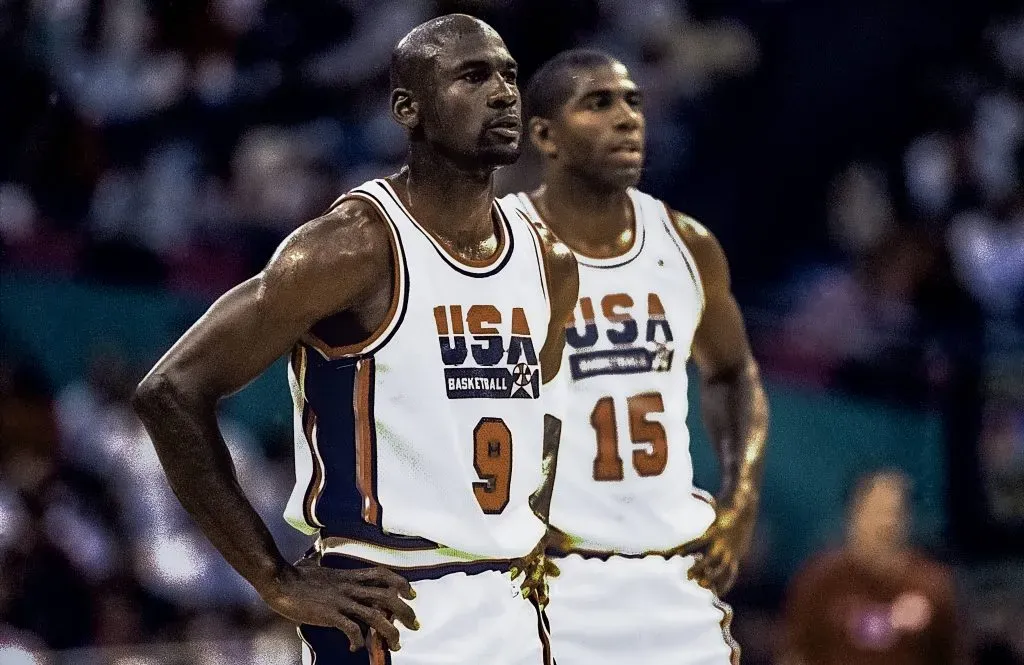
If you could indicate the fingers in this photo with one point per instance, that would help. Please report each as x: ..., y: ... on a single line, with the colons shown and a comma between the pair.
x: 696, y: 546
x: 376, y: 620
x: 387, y: 600
x: 729, y: 579
x: 351, y: 630
x: 384, y: 578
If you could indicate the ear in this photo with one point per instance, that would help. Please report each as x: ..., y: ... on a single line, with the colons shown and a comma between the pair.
x: 403, y: 109
x: 541, y: 137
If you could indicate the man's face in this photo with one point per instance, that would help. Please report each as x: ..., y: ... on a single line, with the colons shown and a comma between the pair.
x: 880, y: 517
x: 599, y: 131
x: 472, y: 111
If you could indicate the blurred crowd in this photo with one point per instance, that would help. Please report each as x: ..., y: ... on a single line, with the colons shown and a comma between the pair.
x: 95, y: 550
x: 173, y: 145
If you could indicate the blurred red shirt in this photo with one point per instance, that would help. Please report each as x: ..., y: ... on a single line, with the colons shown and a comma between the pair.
x: 842, y: 613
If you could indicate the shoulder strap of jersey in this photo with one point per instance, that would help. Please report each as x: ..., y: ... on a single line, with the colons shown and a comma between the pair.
x: 523, y: 222
x: 661, y: 212
x: 370, y: 192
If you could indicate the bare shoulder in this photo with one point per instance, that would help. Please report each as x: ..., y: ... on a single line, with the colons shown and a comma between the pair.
x: 333, y: 261
x: 559, y: 258
x: 702, y: 243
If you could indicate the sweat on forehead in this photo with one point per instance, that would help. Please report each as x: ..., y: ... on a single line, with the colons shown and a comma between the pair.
x: 417, y: 50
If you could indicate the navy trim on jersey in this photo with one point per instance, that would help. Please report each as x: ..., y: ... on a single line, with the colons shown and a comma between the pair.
x: 330, y: 391
x: 418, y: 573
x: 673, y: 233
x: 543, y: 631
x: 330, y: 646
x: 583, y: 259
x: 403, y: 269
x: 509, y: 238
x: 670, y: 226
x: 627, y: 257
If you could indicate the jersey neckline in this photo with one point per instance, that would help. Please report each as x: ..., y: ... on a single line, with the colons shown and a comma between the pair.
x: 481, y: 268
x: 639, y: 236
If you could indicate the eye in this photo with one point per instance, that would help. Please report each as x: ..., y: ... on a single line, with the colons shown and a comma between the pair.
x: 511, y: 75
x: 475, y: 76
x: 634, y: 100
x: 599, y: 102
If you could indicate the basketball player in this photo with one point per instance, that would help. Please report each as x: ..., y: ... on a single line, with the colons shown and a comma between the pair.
x: 422, y: 318
x: 627, y: 522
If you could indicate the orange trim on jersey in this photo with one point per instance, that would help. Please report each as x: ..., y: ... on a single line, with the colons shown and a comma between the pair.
x: 397, y: 295
x: 375, y: 645
x: 365, y: 443
x: 497, y: 220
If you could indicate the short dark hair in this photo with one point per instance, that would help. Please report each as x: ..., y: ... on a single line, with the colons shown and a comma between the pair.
x: 413, y: 55
x: 552, y: 85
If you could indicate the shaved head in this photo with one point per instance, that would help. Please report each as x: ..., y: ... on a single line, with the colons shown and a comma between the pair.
x: 413, y: 57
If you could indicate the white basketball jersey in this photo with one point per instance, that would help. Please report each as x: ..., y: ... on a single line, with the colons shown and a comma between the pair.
x: 624, y: 480
x: 430, y: 433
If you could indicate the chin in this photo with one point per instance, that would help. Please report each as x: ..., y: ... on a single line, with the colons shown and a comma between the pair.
x: 500, y: 155
x: 623, y: 178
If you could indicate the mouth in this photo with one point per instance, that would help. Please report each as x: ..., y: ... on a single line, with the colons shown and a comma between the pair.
x: 627, y: 147
x: 507, y: 126
x: 628, y: 153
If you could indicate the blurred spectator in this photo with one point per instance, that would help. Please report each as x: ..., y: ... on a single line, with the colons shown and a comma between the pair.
x: 875, y: 600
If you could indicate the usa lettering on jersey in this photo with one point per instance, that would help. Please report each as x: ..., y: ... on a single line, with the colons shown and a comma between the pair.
x: 619, y: 326
x: 478, y: 361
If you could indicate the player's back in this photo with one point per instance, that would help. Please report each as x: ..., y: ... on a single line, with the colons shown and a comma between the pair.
x: 424, y: 444
x: 625, y: 477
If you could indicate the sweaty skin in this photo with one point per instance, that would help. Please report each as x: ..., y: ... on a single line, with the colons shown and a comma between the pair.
x: 336, y: 271
x: 593, y: 145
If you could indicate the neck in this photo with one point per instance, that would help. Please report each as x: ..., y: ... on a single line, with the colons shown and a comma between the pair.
x: 451, y: 202
x: 591, y: 219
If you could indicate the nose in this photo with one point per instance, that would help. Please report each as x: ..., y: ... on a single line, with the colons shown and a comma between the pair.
x: 629, y: 119
x: 505, y: 94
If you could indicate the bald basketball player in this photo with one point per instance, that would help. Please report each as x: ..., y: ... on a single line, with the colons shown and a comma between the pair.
x: 643, y: 554
x: 424, y: 322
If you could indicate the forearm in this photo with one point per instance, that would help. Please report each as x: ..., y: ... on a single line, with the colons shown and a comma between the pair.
x: 735, y: 411
x: 200, y: 471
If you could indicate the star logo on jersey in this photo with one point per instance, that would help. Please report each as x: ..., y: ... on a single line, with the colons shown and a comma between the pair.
x: 619, y: 326
x: 480, y: 361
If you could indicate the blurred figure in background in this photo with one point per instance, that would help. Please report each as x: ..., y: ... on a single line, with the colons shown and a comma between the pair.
x: 875, y: 600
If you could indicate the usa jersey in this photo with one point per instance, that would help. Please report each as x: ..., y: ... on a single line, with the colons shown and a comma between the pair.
x: 429, y: 434
x: 624, y: 480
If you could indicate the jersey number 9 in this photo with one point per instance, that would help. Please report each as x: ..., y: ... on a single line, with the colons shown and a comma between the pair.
x: 492, y: 458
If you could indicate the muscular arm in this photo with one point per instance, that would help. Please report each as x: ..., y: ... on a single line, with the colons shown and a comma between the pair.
x: 733, y: 401
x: 332, y: 264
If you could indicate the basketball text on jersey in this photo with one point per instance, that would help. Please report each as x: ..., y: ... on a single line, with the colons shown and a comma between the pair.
x: 620, y: 323
x: 479, y: 362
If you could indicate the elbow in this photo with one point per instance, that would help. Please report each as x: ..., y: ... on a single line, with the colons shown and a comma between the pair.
x: 154, y: 394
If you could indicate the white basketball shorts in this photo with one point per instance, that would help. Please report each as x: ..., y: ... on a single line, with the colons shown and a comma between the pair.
x: 641, y: 611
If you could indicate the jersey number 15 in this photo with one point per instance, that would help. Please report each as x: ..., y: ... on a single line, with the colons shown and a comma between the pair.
x: 650, y: 452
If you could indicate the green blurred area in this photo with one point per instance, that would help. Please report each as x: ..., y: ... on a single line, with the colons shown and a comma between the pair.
x: 818, y: 441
